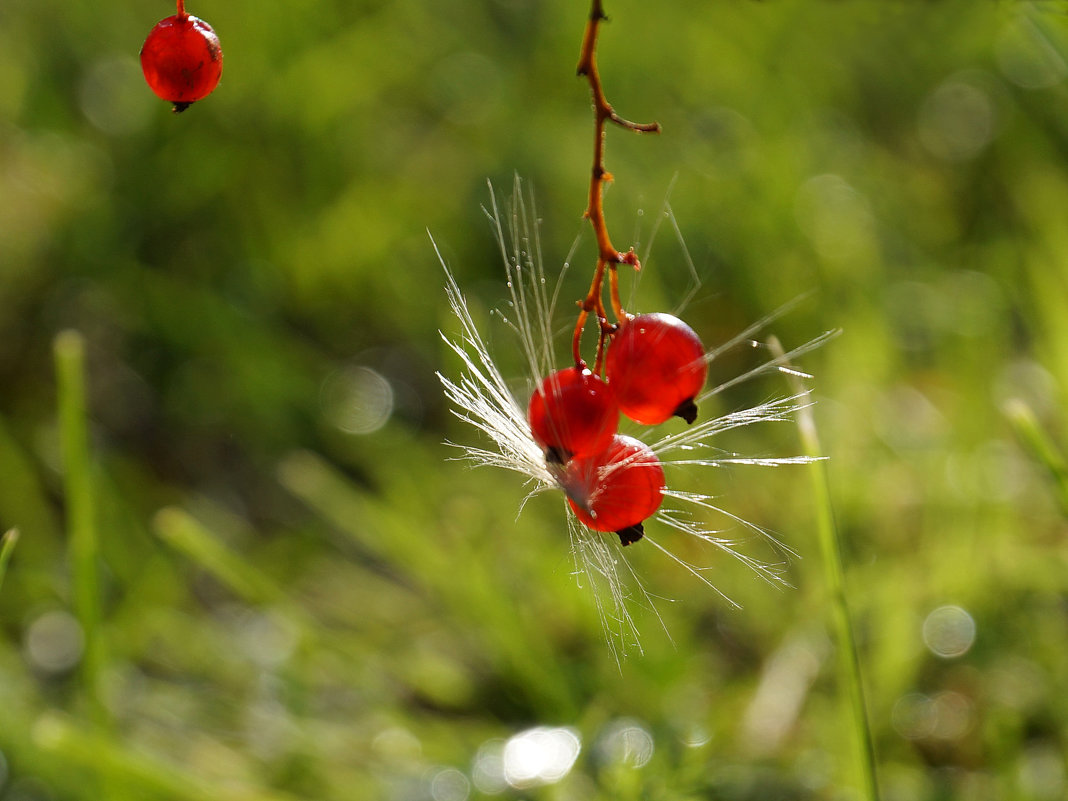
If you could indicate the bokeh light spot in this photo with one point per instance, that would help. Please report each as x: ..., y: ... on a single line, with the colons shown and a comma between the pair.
x: 1041, y: 773
x: 397, y: 744
x: 112, y: 96
x: 627, y: 742
x: 357, y: 400
x: 266, y: 639
x: 957, y: 120
x: 542, y: 755
x: 784, y: 684
x: 449, y: 785
x: 1030, y: 382
x: 913, y: 716
x: 948, y: 715
x: 954, y: 715
x: 54, y: 642
x: 695, y: 736
x: 269, y: 730
x: 949, y: 632
x: 836, y: 217
x: 488, y: 769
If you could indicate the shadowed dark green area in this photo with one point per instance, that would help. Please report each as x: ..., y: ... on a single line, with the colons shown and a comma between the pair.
x: 302, y: 597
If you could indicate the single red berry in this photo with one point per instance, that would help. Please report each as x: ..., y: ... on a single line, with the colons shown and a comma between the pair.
x: 656, y: 367
x: 616, y: 489
x: 182, y: 59
x: 572, y: 412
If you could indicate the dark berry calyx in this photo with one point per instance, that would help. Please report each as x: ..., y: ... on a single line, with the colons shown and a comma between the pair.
x: 687, y: 410
x: 557, y: 457
x: 631, y: 533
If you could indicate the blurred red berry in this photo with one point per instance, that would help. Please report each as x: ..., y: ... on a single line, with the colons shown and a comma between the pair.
x: 572, y: 412
x: 656, y: 367
x: 616, y: 489
x: 182, y: 60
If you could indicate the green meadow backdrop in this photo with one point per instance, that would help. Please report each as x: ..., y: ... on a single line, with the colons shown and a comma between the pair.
x: 249, y: 567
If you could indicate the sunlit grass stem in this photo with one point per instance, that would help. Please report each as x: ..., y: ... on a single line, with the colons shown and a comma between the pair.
x: 1038, y: 442
x: 7, y: 547
x: 831, y: 552
x: 82, y: 536
x: 329, y: 493
x: 193, y: 539
x: 186, y: 534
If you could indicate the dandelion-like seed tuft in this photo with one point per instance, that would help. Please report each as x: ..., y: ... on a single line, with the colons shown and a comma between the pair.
x: 481, y: 396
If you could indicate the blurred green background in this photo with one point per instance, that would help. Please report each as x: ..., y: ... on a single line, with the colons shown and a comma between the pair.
x: 329, y: 608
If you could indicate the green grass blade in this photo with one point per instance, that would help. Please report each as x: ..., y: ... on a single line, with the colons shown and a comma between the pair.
x: 1023, y: 421
x: 7, y: 546
x: 848, y: 660
x: 383, y: 527
x: 187, y: 535
x: 83, y: 544
x: 184, y: 533
x: 23, y: 496
x: 141, y: 773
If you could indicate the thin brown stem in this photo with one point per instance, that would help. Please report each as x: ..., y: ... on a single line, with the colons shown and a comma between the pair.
x: 617, y: 304
x: 608, y: 256
x: 591, y: 303
x: 181, y: 10
x: 576, y: 339
x: 606, y: 330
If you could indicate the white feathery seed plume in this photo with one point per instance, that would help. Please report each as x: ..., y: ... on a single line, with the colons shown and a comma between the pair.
x: 480, y: 395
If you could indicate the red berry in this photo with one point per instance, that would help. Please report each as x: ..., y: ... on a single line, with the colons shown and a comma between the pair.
x: 182, y: 60
x: 616, y: 489
x: 656, y: 366
x: 572, y: 412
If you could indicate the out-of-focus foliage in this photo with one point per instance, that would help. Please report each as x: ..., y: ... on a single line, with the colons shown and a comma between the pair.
x: 328, y: 608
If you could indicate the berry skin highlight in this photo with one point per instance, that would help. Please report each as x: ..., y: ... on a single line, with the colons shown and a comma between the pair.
x: 656, y: 367
x: 182, y: 59
x: 572, y: 412
x: 617, y: 489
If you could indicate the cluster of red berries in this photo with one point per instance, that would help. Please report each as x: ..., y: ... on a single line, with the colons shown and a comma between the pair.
x: 182, y: 59
x: 654, y: 368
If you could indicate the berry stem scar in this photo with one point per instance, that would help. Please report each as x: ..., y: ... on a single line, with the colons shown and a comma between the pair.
x: 608, y: 257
